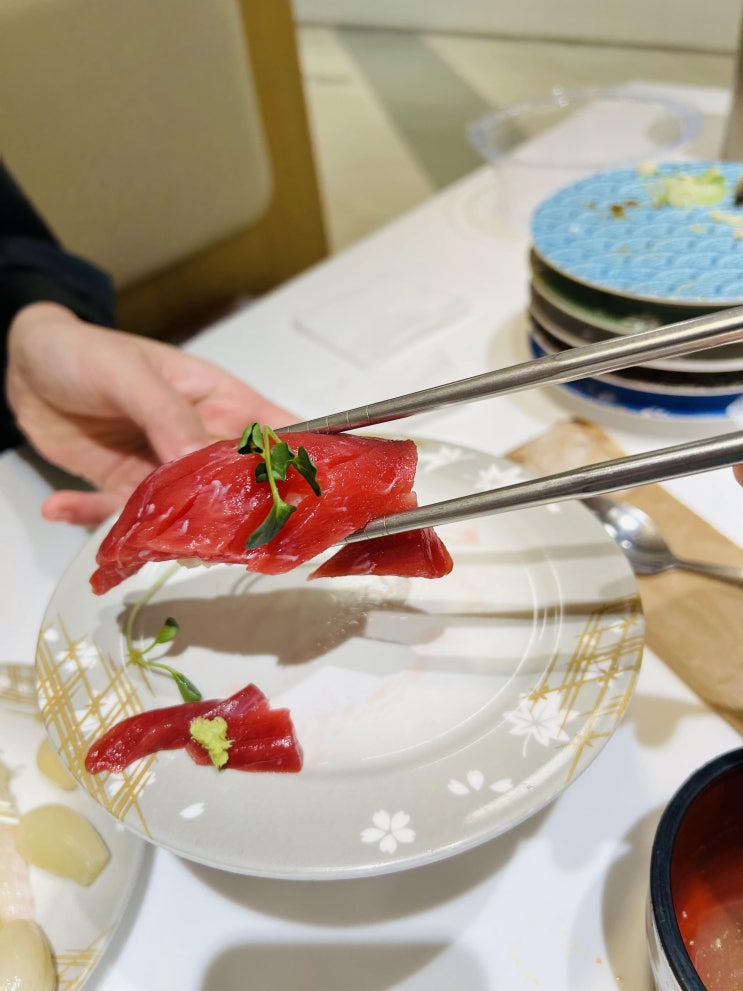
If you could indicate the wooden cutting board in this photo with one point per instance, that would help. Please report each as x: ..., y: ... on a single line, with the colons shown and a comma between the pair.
x: 695, y: 625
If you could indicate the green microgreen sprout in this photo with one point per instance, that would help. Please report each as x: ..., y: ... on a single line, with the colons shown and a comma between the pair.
x: 277, y: 457
x: 167, y: 633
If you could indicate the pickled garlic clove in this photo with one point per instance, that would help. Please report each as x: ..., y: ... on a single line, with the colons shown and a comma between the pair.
x: 25, y: 958
x: 16, y: 894
x: 60, y: 840
x: 48, y: 762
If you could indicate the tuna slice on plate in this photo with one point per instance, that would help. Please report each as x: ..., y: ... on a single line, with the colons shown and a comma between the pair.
x: 206, y: 505
x: 260, y: 738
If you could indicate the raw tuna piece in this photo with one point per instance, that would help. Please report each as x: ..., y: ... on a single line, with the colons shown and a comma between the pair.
x: 282, y: 754
x: 244, y: 706
x: 206, y: 504
x: 144, y: 734
x: 417, y: 553
x: 263, y: 738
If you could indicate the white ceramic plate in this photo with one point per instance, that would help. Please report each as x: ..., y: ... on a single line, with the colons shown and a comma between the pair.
x: 78, y: 921
x: 433, y: 715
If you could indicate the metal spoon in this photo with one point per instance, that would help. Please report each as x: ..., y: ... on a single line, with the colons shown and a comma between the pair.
x: 648, y: 553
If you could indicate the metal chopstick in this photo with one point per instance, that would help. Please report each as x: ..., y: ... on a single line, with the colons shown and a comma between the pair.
x: 578, y: 483
x: 684, y: 337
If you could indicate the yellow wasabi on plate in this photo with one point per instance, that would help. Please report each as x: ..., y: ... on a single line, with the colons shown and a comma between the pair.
x: 212, y: 735
x: 684, y: 189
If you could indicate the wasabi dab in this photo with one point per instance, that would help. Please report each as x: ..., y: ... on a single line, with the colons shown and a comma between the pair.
x: 685, y: 190
x: 212, y: 735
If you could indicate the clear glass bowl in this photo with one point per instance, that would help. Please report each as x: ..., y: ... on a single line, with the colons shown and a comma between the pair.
x: 540, y: 146
x: 601, y: 128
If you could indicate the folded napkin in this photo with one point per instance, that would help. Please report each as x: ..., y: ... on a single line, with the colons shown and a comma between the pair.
x: 694, y: 624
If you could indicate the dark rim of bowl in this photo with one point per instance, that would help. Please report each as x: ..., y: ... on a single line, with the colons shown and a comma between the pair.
x: 661, y: 897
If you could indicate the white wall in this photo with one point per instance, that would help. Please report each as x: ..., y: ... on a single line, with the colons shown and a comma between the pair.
x: 711, y: 25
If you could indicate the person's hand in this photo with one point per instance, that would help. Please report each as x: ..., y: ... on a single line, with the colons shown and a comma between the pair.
x: 109, y: 406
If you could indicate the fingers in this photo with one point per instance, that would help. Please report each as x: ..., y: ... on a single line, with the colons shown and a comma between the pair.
x: 226, y: 403
x: 171, y: 424
x: 82, y: 508
x: 231, y: 415
x: 268, y: 412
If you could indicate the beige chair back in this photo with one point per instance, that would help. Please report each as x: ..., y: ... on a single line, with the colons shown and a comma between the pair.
x: 146, y: 135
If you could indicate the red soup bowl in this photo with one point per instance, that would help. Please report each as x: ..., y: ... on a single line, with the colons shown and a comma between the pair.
x: 695, y: 907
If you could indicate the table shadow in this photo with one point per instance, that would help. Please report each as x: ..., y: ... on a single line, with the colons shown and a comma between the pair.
x: 371, y: 900
x: 372, y: 966
x: 122, y: 934
x: 653, y: 721
x: 617, y: 900
x: 623, y: 904
x: 656, y: 719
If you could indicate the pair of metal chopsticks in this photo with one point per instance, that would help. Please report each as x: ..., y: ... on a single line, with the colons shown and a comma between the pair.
x: 685, y: 337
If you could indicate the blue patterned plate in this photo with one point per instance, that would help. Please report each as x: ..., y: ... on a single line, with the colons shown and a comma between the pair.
x: 625, y: 232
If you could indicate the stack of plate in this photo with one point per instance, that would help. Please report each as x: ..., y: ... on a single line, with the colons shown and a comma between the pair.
x: 629, y: 250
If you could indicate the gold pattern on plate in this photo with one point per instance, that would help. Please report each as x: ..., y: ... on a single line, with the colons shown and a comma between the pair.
x: 609, y: 646
x: 74, y: 966
x: 18, y: 685
x: 77, y: 711
x: 18, y: 688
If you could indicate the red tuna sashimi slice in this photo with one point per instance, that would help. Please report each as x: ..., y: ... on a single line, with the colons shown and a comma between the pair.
x: 244, y: 704
x: 163, y: 729
x: 282, y: 753
x: 206, y: 504
x: 262, y: 740
x: 416, y: 553
x: 144, y: 734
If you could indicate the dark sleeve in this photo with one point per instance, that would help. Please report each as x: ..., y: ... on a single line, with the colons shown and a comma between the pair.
x: 35, y: 268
